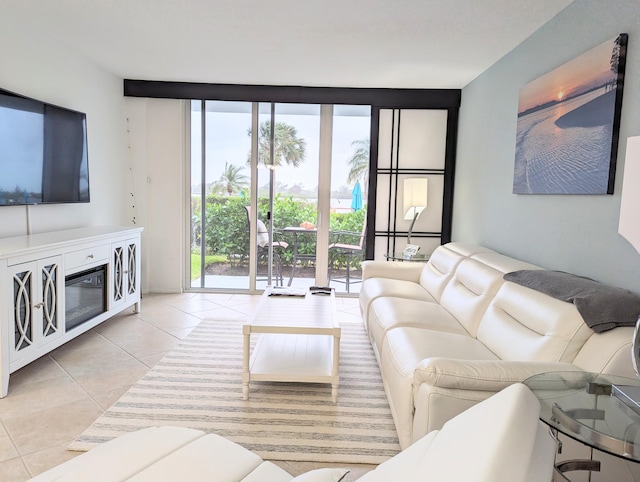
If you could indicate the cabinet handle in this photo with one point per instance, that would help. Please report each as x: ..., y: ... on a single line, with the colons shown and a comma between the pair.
x: 90, y: 256
x: 39, y: 305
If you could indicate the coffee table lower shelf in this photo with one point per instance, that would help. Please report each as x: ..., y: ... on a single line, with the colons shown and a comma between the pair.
x: 285, y: 357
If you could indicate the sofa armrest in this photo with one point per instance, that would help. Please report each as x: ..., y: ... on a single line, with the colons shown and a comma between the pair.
x: 392, y: 270
x: 485, y: 375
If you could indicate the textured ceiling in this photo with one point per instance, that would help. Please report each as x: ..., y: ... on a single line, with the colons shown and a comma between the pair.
x: 348, y: 43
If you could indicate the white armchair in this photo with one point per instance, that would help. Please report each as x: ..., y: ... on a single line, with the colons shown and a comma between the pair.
x: 498, y: 440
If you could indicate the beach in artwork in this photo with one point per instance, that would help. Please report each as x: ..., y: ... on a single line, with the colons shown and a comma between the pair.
x: 565, y: 127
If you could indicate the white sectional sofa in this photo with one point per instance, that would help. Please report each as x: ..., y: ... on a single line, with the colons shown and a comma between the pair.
x: 452, y: 332
x: 498, y: 440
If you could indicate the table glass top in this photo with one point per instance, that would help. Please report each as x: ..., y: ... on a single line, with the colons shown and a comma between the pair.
x: 592, y: 409
x: 400, y: 256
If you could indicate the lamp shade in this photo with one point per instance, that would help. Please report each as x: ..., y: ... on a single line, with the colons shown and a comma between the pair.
x: 415, y: 197
x: 629, y: 223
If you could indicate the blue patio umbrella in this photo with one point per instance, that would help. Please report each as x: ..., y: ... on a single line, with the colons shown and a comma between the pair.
x: 356, y: 197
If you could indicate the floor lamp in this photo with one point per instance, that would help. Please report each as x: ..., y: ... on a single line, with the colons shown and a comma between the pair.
x: 629, y: 227
x: 414, y: 202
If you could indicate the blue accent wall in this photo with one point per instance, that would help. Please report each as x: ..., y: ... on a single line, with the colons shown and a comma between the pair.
x: 575, y: 233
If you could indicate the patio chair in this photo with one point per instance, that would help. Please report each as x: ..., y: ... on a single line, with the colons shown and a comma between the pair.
x: 339, y: 248
x: 262, y: 240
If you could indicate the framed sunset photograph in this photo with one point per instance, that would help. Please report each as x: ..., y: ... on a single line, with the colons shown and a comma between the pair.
x: 568, y: 125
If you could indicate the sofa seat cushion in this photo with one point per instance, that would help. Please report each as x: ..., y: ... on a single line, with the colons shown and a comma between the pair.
x: 403, y: 349
x: 389, y: 312
x: 373, y: 288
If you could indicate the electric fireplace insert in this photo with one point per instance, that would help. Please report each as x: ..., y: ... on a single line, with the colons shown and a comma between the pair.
x: 85, y: 296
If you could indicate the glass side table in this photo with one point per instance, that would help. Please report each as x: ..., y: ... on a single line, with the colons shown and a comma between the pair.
x: 586, y: 407
x: 399, y: 256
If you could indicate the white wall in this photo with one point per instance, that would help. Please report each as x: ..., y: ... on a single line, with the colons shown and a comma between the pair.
x: 570, y: 233
x: 157, y: 143
x: 38, y: 67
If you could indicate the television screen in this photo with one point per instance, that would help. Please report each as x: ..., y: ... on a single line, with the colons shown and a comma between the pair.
x: 43, y: 153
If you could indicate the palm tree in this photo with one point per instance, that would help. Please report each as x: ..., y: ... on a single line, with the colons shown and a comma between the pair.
x: 359, y: 162
x: 231, y: 180
x: 289, y: 148
x: 614, y: 62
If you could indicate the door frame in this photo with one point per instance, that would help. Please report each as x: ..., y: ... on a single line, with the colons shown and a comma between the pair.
x: 376, y: 98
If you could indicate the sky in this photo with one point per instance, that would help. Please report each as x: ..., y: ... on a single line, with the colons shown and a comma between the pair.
x: 562, y: 81
x: 227, y: 141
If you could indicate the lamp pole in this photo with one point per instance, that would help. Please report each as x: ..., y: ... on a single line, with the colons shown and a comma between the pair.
x: 415, y: 216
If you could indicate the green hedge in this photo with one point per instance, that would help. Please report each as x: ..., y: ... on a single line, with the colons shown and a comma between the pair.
x: 227, y: 226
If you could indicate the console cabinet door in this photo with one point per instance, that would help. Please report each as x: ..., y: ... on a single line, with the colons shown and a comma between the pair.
x: 37, y: 290
x: 125, y: 272
x: 133, y: 269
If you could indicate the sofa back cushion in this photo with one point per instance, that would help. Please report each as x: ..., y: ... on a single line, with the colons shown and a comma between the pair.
x: 524, y: 324
x: 439, y: 270
x: 503, y: 263
x: 608, y: 352
x: 475, y: 282
x: 467, y: 249
x: 469, y: 292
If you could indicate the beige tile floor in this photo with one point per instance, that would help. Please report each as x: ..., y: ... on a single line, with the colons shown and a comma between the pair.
x: 54, y: 399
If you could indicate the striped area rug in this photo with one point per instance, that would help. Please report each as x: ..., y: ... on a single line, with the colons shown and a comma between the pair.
x: 198, y: 385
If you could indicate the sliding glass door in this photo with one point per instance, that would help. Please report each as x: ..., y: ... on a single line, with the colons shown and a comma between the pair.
x: 288, y: 188
x: 220, y: 188
x: 351, y: 127
x: 300, y: 187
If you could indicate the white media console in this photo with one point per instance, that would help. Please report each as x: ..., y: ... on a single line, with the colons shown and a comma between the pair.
x: 55, y: 286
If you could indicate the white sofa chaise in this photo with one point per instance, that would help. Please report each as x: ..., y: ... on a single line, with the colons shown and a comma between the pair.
x: 498, y: 440
x: 452, y: 332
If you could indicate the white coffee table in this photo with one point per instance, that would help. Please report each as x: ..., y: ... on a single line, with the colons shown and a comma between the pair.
x: 299, y: 341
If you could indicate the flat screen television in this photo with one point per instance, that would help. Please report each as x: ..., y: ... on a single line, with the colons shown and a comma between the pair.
x: 43, y: 153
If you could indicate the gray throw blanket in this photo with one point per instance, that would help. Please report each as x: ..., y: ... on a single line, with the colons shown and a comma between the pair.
x: 602, y: 307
